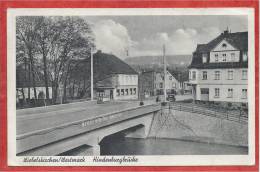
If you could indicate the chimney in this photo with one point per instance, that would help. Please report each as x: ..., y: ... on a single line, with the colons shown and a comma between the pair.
x: 226, y: 31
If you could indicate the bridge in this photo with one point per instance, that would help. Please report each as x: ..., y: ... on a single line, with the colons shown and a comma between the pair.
x: 58, y: 129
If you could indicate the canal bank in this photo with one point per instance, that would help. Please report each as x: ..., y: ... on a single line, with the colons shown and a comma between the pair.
x: 200, y: 128
x: 182, y: 133
x: 120, y: 145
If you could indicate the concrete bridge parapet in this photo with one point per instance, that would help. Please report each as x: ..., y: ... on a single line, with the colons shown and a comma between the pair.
x: 88, y: 132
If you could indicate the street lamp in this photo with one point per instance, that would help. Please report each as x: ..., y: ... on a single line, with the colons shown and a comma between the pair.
x: 164, y: 71
x: 91, y: 73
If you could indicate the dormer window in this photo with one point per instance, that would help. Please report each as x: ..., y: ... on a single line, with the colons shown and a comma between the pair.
x: 232, y: 57
x: 245, y: 57
x: 204, y: 58
x: 224, y: 57
x: 216, y: 57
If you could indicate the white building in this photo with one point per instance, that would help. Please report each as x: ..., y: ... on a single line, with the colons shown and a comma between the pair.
x: 24, y: 86
x: 116, y: 79
x: 171, y: 83
x: 218, y: 71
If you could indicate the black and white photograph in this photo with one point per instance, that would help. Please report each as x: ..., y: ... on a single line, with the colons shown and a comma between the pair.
x: 133, y: 85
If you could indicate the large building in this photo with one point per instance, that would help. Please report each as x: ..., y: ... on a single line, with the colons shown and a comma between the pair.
x: 151, y: 83
x: 218, y: 71
x: 114, y: 79
x: 171, y: 83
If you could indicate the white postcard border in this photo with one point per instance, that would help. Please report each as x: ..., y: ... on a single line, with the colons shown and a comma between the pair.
x: 161, y: 160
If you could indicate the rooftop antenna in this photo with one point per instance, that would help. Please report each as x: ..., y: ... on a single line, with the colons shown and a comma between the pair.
x: 127, y: 53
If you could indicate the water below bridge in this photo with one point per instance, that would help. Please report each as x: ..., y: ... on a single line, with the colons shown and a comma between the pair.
x: 118, y: 145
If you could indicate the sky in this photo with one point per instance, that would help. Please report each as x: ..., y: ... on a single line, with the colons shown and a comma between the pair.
x: 145, y: 35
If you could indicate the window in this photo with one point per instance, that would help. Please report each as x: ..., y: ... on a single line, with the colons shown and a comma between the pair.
x: 122, y: 92
x: 245, y: 57
x: 244, y: 74
x: 204, y: 75
x: 126, y: 91
x: 216, y: 57
x: 170, y: 77
x: 161, y: 85
x: 230, y: 93
x: 204, y: 91
x: 216, y: 92
x: 193, y: 75
x: 131, y: 91
x: 134, y: 92
x: 217, y: 75
x: 224, y: 45
x: 163, y: 78
x: 232, y: 57
x: 204, y: 58
x: 224, y: 57
x: 244, y: 93
x: 230, y: 75
x: 118, y: 92
x: 173, y: 85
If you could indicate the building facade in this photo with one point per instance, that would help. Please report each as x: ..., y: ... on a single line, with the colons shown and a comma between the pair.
x: 171, y: 83
x: 218, y: 71
x: 116, y: 80
x: 151, y: 83
x: 118, y: 87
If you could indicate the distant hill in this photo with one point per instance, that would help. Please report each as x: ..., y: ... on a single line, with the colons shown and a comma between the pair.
x: 172, y: 60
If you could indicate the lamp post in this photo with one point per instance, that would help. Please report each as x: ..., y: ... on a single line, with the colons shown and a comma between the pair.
x: 164, y: 69
x: 91, y: 73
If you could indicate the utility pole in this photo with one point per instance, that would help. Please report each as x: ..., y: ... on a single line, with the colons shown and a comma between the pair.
x: 91, y: 73
x: 164, y: 69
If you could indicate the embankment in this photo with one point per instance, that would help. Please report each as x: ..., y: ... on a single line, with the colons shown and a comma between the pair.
x: 195, y: 127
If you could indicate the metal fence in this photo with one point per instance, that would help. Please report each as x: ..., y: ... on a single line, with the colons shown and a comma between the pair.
x: 236, y: 116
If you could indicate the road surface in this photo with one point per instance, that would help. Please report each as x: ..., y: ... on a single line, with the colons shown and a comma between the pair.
x: 29, y: 120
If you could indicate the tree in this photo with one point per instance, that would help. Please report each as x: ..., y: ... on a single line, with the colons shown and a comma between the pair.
x: 74, y: 41
x: 49, y: 44
x: 46, y: 36
x: 26, y: 28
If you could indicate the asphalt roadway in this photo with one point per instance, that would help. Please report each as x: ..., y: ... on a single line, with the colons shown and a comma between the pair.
x: 34, y: 119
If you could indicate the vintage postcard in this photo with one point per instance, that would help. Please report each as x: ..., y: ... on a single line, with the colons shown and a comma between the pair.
x: 131, y: 87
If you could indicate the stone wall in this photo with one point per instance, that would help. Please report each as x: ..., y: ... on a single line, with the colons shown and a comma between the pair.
x: 196, y: 127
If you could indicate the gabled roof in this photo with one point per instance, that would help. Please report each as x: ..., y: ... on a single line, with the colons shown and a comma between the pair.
x: 239, y: 40
x: 105, y: 66
x: 179, y: 76
x: 109, y: 64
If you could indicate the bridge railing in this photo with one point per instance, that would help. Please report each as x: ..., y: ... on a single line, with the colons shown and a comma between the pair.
x: 228, y: 115
x: 30, y: 140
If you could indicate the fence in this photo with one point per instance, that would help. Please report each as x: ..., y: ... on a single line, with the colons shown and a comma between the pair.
x: 240, y: 116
